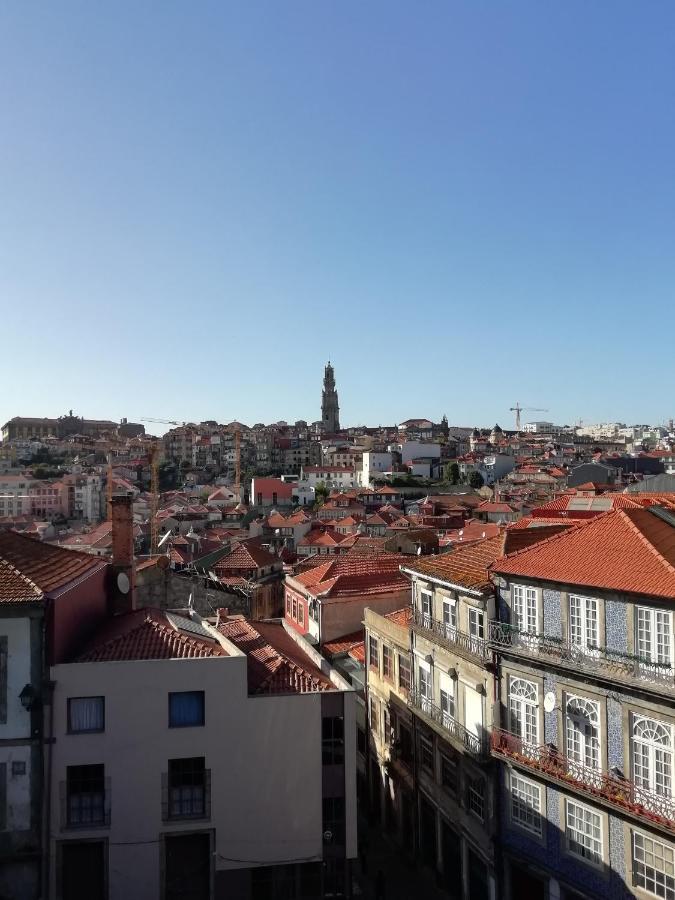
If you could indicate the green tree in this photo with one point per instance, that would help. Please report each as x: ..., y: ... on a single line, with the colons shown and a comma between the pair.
x: 321, y: 493
x: 452, y: 473
x: 476, y: 480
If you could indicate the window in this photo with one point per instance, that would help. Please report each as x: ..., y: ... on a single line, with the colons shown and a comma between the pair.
x: 187, y: 788
x: 334, y: 819
x: 426, y: 754
x: 525, y: 803
x: 333, y: 740
x: 523, y: 710
x: 425, y: 685
x: 653, y: 756
x: 387, y: 662
x: 426, y: 603
x: 86, y: 714
x: 373, y: 653
x: 476, y: 627
x: 582, y: 732
x: 653, y: 866
x: 386, y: 725
x: 403, y: 672
x: 524, y: 607
x: 405, y: 743
x: 449, y: 773
x: 449, y: 616
x: 301, y: 614
x: 654, y: 635
x: 584, y: 622
x: 85, y: 793
x: 288, y: 604
x: 295, y: 608
x: 476, y: 797
x: 447, y: 691
x: 583, y: 830
x: 374, y: 717
x: 186, y: 709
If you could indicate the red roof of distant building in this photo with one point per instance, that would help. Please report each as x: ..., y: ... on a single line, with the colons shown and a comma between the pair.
x: 400, y: 616
x: 342, y: 645
x: 246, y: 555
x: 355, y: 573
x: 148, y: 634
x: 276, y: 664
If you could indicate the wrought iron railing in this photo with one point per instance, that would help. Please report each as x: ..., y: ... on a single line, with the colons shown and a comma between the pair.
x: 472, y: 744
x: 619, y: 792
x: 614, y: 663
x: 474, y: 645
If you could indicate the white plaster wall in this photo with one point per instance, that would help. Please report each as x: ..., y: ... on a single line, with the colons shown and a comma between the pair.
x: 18, y: 675
x: 264, y: 754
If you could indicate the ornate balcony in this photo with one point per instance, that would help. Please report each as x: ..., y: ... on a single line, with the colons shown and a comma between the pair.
x: 454, y: 729
x: 451, y: 638
x: 611, y: 665
x: 609, y: 790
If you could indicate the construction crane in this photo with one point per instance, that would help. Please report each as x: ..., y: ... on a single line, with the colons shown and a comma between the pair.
x: 153, y: 459
x: 517, y: 409
x: 162, y: 421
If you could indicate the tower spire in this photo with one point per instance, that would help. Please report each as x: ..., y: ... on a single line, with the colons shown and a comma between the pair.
x: 330, y: 409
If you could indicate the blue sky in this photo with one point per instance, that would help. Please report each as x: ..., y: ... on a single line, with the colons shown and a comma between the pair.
x: 463, y: 205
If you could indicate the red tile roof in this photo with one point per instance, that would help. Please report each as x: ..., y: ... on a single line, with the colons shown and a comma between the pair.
x: 15, y: 587
x: 276, y: 664
x: 147, y: 634
x: 400, y: 616
x: 627, y: 550
x: 466, y: 566
x: 246, y: 555
x: 355, y: 573
x: 342, y: 645
x: 47, y: 566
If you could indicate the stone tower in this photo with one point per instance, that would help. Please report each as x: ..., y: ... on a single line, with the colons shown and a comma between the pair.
x: 330, y: 410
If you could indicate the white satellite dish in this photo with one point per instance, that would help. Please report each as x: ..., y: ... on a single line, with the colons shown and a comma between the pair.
x: 123, y: 583
x: 549, y: 701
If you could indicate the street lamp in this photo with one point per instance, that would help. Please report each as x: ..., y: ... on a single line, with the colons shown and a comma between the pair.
x: 28, y: 697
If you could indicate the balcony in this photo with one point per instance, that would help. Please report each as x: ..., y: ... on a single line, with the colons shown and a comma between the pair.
x: 603, y: 663
x: 611, y: 791
x: 450, y: 637
x: 451, y: 727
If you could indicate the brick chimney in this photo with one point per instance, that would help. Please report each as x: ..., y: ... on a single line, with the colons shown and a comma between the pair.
x: 123, y: 569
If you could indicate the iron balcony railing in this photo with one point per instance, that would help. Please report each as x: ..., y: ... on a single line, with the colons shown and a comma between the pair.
x: 599, y: 660
x: 619, y: 792
x: 472, y: 744
x: 475, y: 646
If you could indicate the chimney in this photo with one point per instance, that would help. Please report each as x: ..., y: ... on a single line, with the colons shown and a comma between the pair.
x: 123, y: 569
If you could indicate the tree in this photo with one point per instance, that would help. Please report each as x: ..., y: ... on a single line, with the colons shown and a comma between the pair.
x: 321, y: 492
x: 452, y: 473
x: 476, y: 480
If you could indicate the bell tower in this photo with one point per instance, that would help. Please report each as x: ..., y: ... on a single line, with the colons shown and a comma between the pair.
x: 330, y: 409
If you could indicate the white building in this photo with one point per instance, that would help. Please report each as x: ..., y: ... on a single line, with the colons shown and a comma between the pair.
x: 373, y: 464
x: 540, y: 427
x: 410, y: 450
x: 340, y: 477
x: 224, y: 776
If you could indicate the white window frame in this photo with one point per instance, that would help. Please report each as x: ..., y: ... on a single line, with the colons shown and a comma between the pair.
x: 647, y: 621
x: 428, y: 596
x: 524, y: 709
x: 426, y: 696
x: 525, y: 814
x: 584, y: 622
x: 582, y: 747
x: 449, y: 615
x: 645, y: 876
x: 525, y: 608
x: 476, y: 623
x: 447, y: 698
x: 593, y: 857
x: 652, y: 758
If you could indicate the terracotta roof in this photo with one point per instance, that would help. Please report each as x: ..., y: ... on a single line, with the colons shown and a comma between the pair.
x: 15, y: 587
x: 342, y: 645
x: 355, y: 573
x: 400, y: 616
x: 246, y: 555
x: 466, y: 566
x: 276, y: 664
x: 627, y: 550
x: 358, y: 652
x: 47, y: 566
x: 147, y: 634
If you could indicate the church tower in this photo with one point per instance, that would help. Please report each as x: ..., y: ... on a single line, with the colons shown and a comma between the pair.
x: 330, y: 410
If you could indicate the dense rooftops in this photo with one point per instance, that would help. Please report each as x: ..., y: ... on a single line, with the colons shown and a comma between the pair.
x: 46, y: 566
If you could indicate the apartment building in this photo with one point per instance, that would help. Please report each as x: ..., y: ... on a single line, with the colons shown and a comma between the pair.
x: 231, y: 774
x: 586, y: 733
x: 452, y: 679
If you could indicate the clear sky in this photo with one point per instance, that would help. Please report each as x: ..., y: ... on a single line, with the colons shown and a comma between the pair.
x: 463, y: 205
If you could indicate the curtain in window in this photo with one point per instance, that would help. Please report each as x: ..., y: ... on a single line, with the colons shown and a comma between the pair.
x: 186, y: 708
x: 86, y: 714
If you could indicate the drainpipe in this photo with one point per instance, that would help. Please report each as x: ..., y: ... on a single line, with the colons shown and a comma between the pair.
x: 47, y: 743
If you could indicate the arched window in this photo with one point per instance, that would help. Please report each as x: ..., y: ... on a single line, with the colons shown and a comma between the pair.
x: 582, y: 728
x: 653, y: 756
x: 523, y: 707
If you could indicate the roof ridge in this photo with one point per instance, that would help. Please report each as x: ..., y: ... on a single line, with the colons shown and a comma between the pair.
x: 22, y: 576
x: 645, y: 540
x: 577, y: 524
